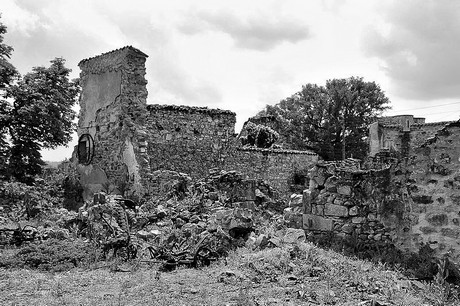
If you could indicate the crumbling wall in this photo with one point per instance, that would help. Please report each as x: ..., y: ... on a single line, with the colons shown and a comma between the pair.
x: 189, y: 139
x: 132, y: 140
x: 434, y: 186
x: 401, y: 134
x: 411, y: 203
x: 352, y: 203
x: 112, y: 111
x: 280, y: 168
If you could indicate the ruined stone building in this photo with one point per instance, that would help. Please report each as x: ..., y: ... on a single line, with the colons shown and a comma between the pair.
x: 123, y: 140
x: 400, y: 133
x: 409, y: 201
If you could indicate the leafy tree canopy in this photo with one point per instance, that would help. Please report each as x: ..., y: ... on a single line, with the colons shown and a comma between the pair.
x: 332, y: 120
x: 35, y: 113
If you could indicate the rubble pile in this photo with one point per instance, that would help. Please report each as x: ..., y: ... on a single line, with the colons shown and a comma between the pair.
x: 191, y: 222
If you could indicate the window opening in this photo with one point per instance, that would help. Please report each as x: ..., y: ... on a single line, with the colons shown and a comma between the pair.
x: 85, y: 150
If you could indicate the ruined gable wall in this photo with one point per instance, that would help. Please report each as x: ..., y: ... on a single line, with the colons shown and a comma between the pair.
x: 189, y: 139
x: 112, y: 104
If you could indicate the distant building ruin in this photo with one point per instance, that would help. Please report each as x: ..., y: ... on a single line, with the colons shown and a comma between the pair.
x: 400, y: 133
x: 123, y: 140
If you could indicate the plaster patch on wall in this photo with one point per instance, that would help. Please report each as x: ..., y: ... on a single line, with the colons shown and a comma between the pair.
x: 129, y: 159
x: 100, y: 91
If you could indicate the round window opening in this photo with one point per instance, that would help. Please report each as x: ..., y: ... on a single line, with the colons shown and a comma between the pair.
x: 85, y: 150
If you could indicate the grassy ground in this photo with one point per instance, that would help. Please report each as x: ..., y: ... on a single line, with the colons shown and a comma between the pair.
x: 303, y: 275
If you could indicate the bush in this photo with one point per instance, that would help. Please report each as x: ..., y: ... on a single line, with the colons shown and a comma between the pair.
x: 52, y: 255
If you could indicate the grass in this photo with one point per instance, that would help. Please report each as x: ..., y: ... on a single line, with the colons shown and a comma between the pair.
x: 299, y: 275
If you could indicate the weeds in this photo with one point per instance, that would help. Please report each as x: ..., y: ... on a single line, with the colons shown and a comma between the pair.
x: 51, y: 255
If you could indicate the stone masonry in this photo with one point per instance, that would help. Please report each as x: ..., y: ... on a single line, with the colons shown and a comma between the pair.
x: 409, y: 202
x: 132, y: 140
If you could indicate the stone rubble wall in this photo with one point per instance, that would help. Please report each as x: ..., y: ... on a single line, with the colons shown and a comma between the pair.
x: 188, y: 139
x: 346, y: 203
x: 276, y: 167
x: 434, y: 187
x: 410, y: 202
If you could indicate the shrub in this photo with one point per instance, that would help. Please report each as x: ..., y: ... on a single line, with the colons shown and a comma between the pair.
x: 52, y: 255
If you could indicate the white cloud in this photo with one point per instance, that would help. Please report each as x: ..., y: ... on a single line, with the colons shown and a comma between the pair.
x: 419, y: 50
x: 257, y: 32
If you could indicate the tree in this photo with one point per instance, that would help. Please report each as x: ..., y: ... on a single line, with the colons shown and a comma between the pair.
x: 257, y: 135
x: 330, y: 120
x: 7, y: 74
x: 35, y: 113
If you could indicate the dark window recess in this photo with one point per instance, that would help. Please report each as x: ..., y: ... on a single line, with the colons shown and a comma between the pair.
x: 85, y: 149
x: 299, y: 179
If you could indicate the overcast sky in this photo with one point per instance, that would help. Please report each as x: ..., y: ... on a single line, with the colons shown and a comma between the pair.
x: 242, y: 55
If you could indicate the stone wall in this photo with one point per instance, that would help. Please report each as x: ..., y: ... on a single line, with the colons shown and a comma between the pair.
x: 285, y: 170
x: 409, y: 202
x: 434, y: 186
x: 132, y: 140
x: 189, y: 139
x: 112, y: 111
x: 401, y: 134
x: 350, y: 202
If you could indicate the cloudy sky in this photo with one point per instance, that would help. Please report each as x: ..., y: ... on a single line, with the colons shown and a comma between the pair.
x: 241, y: 55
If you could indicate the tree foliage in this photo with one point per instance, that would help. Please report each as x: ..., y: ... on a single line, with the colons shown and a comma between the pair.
x: 35, y: 113
x: 332, y: 120
x: 258, y: 135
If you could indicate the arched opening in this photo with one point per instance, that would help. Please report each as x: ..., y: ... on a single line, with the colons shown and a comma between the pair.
x: 85, y: 150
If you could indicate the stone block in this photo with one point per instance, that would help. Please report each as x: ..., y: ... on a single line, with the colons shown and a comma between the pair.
x: 353, y: 211
x: 372, y: 217
x: 357, y: 220
x: 306, y: 199
x: 317, y: 223
x: 293, y: 236
x: 335, y: 210
x: 348, y: 228
x: 344, y: 190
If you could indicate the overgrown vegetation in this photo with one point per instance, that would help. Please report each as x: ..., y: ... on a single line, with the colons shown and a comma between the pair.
x: 35, y: 113
x: 299, y: 274
x: 51, y: 255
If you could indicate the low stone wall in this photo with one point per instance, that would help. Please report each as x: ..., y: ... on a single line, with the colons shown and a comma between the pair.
x: 282, y: 169
x: 347, y: 203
